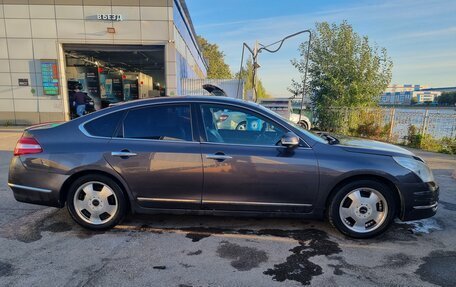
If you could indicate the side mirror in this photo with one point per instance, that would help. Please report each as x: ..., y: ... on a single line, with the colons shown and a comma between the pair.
x: 290, y: 140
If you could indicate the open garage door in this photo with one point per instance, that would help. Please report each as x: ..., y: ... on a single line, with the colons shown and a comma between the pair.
x: 100, y: 75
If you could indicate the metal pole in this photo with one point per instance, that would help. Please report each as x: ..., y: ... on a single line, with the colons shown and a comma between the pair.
x: 257, y: 50
x: 244, y: 45
x: 392, y: 116
x: 305, y: 78
x: 254, y: 76
x: 424, y: 125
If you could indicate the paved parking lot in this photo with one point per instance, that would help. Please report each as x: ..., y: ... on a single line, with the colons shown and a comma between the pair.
x: 42, y: 246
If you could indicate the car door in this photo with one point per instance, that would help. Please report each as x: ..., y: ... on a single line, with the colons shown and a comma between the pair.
x: 155, y: 153
x: 246, y: 169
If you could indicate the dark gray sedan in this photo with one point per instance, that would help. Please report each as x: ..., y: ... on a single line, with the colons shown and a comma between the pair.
x: 170, y: 155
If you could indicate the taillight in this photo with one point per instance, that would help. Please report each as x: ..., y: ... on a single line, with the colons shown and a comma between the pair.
x: 223, y: 117
x: 27, y: 145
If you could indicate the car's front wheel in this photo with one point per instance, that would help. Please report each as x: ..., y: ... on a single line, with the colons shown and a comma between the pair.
x: 96, y: 202
x: 362, y: 209
x: 304, y: 125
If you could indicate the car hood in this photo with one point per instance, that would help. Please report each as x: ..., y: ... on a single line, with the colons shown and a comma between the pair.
x: 371, y: 146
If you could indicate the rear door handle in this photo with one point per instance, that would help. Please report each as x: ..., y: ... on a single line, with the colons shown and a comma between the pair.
x: 123, y: 153
x: 219, y: 157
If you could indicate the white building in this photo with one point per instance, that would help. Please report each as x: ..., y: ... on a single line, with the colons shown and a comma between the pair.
x: 114, y: 50
x: 403, y: 95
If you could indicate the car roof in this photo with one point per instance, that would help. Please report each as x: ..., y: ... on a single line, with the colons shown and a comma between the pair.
x: 185, y: 99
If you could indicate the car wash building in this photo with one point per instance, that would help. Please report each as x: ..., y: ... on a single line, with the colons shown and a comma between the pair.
x: 110, y: 50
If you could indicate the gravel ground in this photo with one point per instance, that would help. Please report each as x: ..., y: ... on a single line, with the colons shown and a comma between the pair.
x: 41, y: 246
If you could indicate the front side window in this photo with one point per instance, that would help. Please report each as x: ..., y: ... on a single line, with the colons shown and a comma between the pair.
x: 167, y: 122
x: 226, y: 124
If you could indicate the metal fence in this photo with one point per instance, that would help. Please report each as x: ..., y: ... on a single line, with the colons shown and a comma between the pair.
x: 395, y: 122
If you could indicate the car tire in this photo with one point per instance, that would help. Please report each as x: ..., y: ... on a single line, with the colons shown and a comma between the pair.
x: 242, y: 126
x: 362, y: 208
x: 96, y: 202
x: 304, y: 125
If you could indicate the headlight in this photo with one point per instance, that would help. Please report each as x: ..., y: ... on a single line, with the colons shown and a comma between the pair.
x: 418, y: 167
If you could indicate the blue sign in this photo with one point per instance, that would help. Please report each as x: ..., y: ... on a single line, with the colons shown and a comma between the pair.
x: 50, y: 77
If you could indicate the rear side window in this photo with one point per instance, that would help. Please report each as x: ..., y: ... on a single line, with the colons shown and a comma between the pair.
x: 168, y: 122
x: 104, y: 126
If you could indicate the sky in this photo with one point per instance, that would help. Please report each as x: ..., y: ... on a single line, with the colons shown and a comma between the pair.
x: 419, y: 35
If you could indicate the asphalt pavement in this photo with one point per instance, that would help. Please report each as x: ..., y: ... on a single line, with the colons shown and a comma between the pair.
x: 41, y: 246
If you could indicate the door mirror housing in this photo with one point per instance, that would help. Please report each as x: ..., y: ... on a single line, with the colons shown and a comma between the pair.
x: 289, y: 140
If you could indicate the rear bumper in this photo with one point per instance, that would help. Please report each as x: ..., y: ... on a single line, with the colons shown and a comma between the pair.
x: 35, y: 186
x: 30, y: 194
x: 419, y: 200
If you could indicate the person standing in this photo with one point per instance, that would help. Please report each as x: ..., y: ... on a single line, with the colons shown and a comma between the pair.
x: 80, y: 99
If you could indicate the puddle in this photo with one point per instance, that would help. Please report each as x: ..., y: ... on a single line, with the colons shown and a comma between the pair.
x: 6, y: 269
x: 298, y: 267
x: 438, y: 268
x: 243, y: 258
x: 425, y: 226
x: 198, y: 252
x: 448, y: 205
x: 198, y: 233
x: 58, y: 227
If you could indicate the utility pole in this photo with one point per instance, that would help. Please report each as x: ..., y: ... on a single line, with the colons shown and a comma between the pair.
x: 254, y: 72
x: 256, y: 50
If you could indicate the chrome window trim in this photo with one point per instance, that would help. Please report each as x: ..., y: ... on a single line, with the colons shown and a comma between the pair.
x: 153, y: 199
x: 252, y: 145
x: 81, y: 126
x: 255, y: 203
x: 29, y: 188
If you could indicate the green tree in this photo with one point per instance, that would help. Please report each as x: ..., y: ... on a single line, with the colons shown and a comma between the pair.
x: 218, y: 69
x: 447, y: 99
x: 345, y: 70
x: 247, y: 76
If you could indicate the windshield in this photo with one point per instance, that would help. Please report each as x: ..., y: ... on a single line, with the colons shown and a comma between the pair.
x: 304, y: 131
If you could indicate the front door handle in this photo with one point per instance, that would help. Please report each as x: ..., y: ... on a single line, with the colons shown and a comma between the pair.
x: 123, y: 153
x: 219, y: 157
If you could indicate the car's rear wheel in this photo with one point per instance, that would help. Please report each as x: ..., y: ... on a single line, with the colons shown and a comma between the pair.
x: 96, y: 202
x: 362, y: 209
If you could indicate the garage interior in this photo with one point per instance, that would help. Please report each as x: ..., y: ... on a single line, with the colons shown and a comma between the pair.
x: 111, y: 74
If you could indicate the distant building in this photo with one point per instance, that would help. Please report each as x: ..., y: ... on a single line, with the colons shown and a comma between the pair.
x: 426, y: 96
x: 403, y: 95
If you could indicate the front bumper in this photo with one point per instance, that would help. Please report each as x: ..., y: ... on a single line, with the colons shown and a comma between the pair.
x: 35, y: 186
x: 419, y: 200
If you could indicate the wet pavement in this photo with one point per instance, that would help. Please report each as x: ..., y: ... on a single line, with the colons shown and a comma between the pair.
x: 41, y: 246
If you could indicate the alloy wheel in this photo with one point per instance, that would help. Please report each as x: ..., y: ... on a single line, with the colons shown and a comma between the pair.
x: 95, y: 202
x: 363, y: 210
